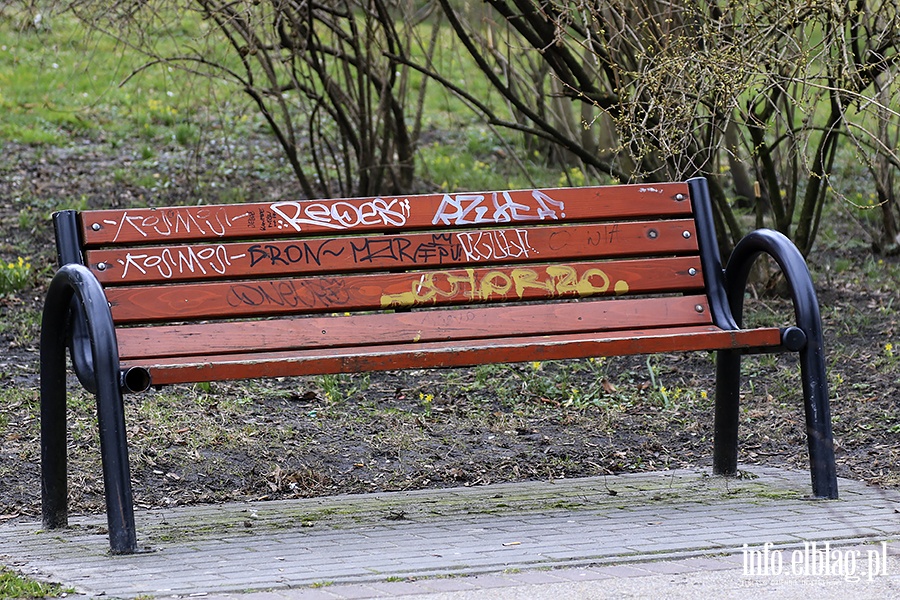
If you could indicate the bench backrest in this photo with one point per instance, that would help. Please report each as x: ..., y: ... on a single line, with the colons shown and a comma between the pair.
x: 197, y: 263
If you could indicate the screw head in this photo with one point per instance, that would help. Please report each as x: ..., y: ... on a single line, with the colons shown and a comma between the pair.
x: 96, y: 226
x: 101, y: 266
x: 692, y: 271
x: 699, y: 308
x: 679, y: 197
x: 653, y: 234
x: 686, y: 235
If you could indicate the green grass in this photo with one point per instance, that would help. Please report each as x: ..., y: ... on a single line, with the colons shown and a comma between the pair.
x: 22, y: 325
x: 15, y: 586
x: 479, y: 159
x: 342, y: 387
x: 59, y: 82
x: 577, y: 385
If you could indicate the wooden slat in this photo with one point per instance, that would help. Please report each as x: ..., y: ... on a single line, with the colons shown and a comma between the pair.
x: 368, y: 253
x: 412, y: 327
x: 389, y: 290
x: 453, y: 354
x: 276, y: 219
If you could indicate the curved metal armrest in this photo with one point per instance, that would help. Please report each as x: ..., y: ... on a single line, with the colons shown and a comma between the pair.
x: 76, y: 307
x: 79, y: 341
x: 77, y: 314
x: 796, y: 273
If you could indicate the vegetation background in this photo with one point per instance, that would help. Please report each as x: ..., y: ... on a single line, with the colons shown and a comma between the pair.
x: 172, y: 102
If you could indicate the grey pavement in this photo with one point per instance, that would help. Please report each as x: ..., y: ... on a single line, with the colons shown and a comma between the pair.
x: 672, y: 534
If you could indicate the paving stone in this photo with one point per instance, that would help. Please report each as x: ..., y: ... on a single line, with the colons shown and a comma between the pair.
x: 583, y: 574
x: 622, y: 571
x: 533, y: 577
x: 491, y: 581
x: 665, y: 567
x: 447, y: 584
x: 355, y: 592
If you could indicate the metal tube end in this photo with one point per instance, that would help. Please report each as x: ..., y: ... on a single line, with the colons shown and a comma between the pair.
x: 135, y: 379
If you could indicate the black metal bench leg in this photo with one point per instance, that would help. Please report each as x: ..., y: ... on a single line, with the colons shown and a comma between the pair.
x: 818, y: 421
x: 54, y: 486
x: 116, y: 472
x: 728, y: 384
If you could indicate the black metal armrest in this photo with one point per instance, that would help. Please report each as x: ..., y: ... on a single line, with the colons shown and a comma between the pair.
x: 796, y: 273
x: 75, y: 296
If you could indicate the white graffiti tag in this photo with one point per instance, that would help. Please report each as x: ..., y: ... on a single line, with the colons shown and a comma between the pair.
x: 471, y: 209
x: 174, y: 221
x: 342, y: 214
x: 489, y: 245
x: 181, y: 261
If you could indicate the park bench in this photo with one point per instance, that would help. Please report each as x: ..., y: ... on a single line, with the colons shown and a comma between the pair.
x: 163, y: 296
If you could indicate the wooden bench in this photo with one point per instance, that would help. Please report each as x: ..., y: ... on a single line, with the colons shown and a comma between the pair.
x: 202, y: 293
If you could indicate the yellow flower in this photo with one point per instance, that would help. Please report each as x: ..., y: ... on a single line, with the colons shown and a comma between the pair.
x: 536, y: 365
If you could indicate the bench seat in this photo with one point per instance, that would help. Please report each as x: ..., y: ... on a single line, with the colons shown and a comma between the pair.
x: 464, y: 337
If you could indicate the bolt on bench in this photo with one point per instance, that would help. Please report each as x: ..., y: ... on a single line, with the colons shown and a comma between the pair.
x: 202, y: 293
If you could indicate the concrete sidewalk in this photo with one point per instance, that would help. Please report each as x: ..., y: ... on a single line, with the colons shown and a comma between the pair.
x: 670, y: 534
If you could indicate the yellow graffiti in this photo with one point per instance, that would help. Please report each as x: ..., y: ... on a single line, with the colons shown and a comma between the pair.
x: 557, y: 280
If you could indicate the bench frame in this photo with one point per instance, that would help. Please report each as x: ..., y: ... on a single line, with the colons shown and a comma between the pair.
x: 77, y: 316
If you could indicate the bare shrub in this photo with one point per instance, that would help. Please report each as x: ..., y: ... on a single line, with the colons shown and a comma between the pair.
x: 764, y: 92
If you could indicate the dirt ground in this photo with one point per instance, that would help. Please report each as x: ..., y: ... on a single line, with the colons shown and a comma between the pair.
x: 414, y: 429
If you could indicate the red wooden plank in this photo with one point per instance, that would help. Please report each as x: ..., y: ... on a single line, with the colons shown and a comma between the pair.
x: 367, y: 253
x: 387, y: 290
x: 411, y: 327
x: 453, y: 354
x: 275, y: 219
